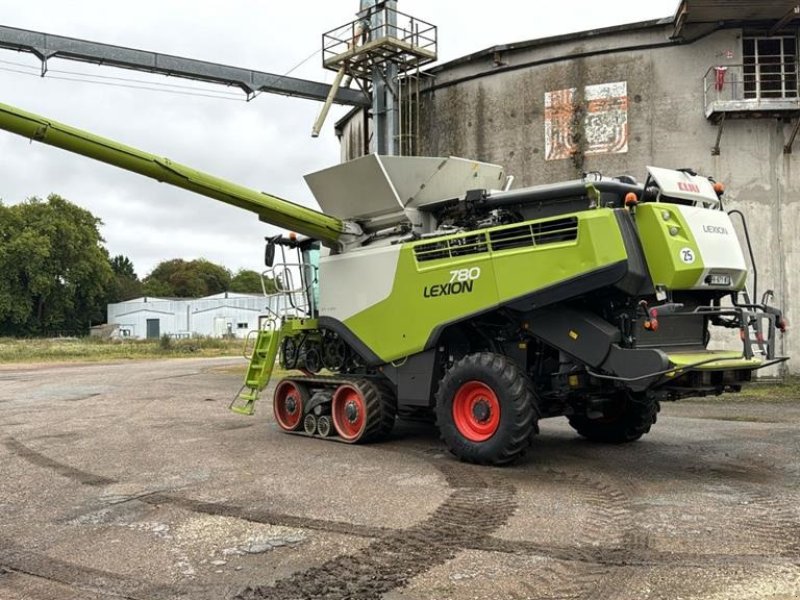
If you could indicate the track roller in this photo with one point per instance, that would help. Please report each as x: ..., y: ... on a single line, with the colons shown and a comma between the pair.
x: 324, y: 426
x: 310, y: 424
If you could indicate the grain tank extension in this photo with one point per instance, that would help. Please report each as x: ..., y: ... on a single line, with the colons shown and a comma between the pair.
x: 427, y: 289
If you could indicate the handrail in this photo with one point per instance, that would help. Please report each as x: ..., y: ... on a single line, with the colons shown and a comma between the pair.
x: 758, y: 82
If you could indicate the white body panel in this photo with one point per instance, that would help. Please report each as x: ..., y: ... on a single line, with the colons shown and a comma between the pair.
x: 352, y: 282
x: 718, y: 244
x: 678, y: 184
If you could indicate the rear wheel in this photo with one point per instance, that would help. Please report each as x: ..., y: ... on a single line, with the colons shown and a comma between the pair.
x: 486, y: 409
x: 627, y: 418
x: 287, y: 405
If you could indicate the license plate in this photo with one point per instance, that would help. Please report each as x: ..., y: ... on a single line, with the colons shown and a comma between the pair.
x: 718, y: 280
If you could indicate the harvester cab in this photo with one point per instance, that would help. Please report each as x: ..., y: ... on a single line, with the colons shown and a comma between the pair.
x: 291, y: 279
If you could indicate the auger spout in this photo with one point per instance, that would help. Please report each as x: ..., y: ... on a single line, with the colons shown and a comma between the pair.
x: 270, y: 209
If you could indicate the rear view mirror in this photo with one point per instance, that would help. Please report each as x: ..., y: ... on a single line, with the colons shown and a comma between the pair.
x: 269, y: 253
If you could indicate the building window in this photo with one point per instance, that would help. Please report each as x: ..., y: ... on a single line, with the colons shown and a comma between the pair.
x: 242, y: 326
x: 770, y: 67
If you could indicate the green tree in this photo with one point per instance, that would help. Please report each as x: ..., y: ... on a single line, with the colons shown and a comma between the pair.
x: 246, y: 281
x: 187, y: 279
x: 54, y: 270
x: 125, y: 284
x: 122, y: 265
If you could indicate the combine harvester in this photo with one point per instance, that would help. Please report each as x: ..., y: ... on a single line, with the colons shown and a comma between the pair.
x: 426, y: 289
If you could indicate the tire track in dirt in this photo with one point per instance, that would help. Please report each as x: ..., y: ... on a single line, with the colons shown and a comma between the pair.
x: 610, y: 530
x: 482, y: 500
x: 41, y: 460
x: 267, y: 517
x: 476, y: 507
x: 251, y: 514
x: 773, y: 521
x: 102, y: 583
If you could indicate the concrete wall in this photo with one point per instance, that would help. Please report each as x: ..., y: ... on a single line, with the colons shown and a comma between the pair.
x: 491, y: 107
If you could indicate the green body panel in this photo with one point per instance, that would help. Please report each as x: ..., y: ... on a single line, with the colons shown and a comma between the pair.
x: 269, y: 208
x: 727, y: 360
x: 663, y: 250
x: 294, y: 326
x: 402, y: 324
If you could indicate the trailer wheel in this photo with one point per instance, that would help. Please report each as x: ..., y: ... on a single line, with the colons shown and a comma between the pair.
x: 486, y: 409
x: 626, y: 420
x: 362, y: 411
x: 287, y: 405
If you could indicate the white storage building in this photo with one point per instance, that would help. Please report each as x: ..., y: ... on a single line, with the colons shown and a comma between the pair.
x: 217, y: 315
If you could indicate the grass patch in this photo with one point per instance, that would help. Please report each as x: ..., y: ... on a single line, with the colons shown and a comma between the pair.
x: 94, y: 349
x: 788, y: 389
x: 777, y: 392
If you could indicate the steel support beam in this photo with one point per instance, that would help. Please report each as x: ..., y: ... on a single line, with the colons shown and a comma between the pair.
x: 46, y: 46
x: 787, y: 18
x: 720, y: 128
x: 787, y: 149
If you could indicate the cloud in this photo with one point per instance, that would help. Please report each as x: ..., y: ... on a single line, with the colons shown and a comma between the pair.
x: 264, y: 144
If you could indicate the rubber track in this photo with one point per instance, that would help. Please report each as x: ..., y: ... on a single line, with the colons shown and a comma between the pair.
x: 388, y: 410
x: 379, y: 399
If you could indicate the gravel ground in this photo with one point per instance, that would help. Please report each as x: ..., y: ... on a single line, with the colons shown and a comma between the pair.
x: 132, y: 480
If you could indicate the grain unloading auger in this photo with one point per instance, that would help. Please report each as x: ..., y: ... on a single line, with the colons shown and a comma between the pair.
x: 443, y: 295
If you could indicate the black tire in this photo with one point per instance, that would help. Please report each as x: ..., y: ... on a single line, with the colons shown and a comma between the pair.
x: 624, y: 421
x: 512, y: 393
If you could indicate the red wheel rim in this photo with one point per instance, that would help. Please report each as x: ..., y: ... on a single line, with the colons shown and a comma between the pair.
x: 287, y: 404
x: 349, y: 411
x: 476, y: 411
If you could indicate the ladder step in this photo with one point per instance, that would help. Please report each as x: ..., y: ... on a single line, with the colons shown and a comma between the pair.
x: 247, y: 409
x: 262, y: 362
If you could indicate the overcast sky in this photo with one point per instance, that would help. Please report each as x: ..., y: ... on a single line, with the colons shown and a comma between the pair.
x: 264, y: 144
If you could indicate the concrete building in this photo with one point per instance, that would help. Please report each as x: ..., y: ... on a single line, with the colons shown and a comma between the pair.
x: 217, y: 315
x: 714, y: 88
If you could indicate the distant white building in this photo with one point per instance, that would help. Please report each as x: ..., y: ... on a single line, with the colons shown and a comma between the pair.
x: 216, y: 316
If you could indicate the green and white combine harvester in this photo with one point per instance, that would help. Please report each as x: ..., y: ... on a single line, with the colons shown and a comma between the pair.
x: 427, y: 289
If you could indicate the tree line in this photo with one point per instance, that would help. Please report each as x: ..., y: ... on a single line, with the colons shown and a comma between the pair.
x: 56, y: 275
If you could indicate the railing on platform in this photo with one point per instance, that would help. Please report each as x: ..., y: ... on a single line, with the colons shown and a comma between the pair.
x: 763, y: 86
x: 388, y: 35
